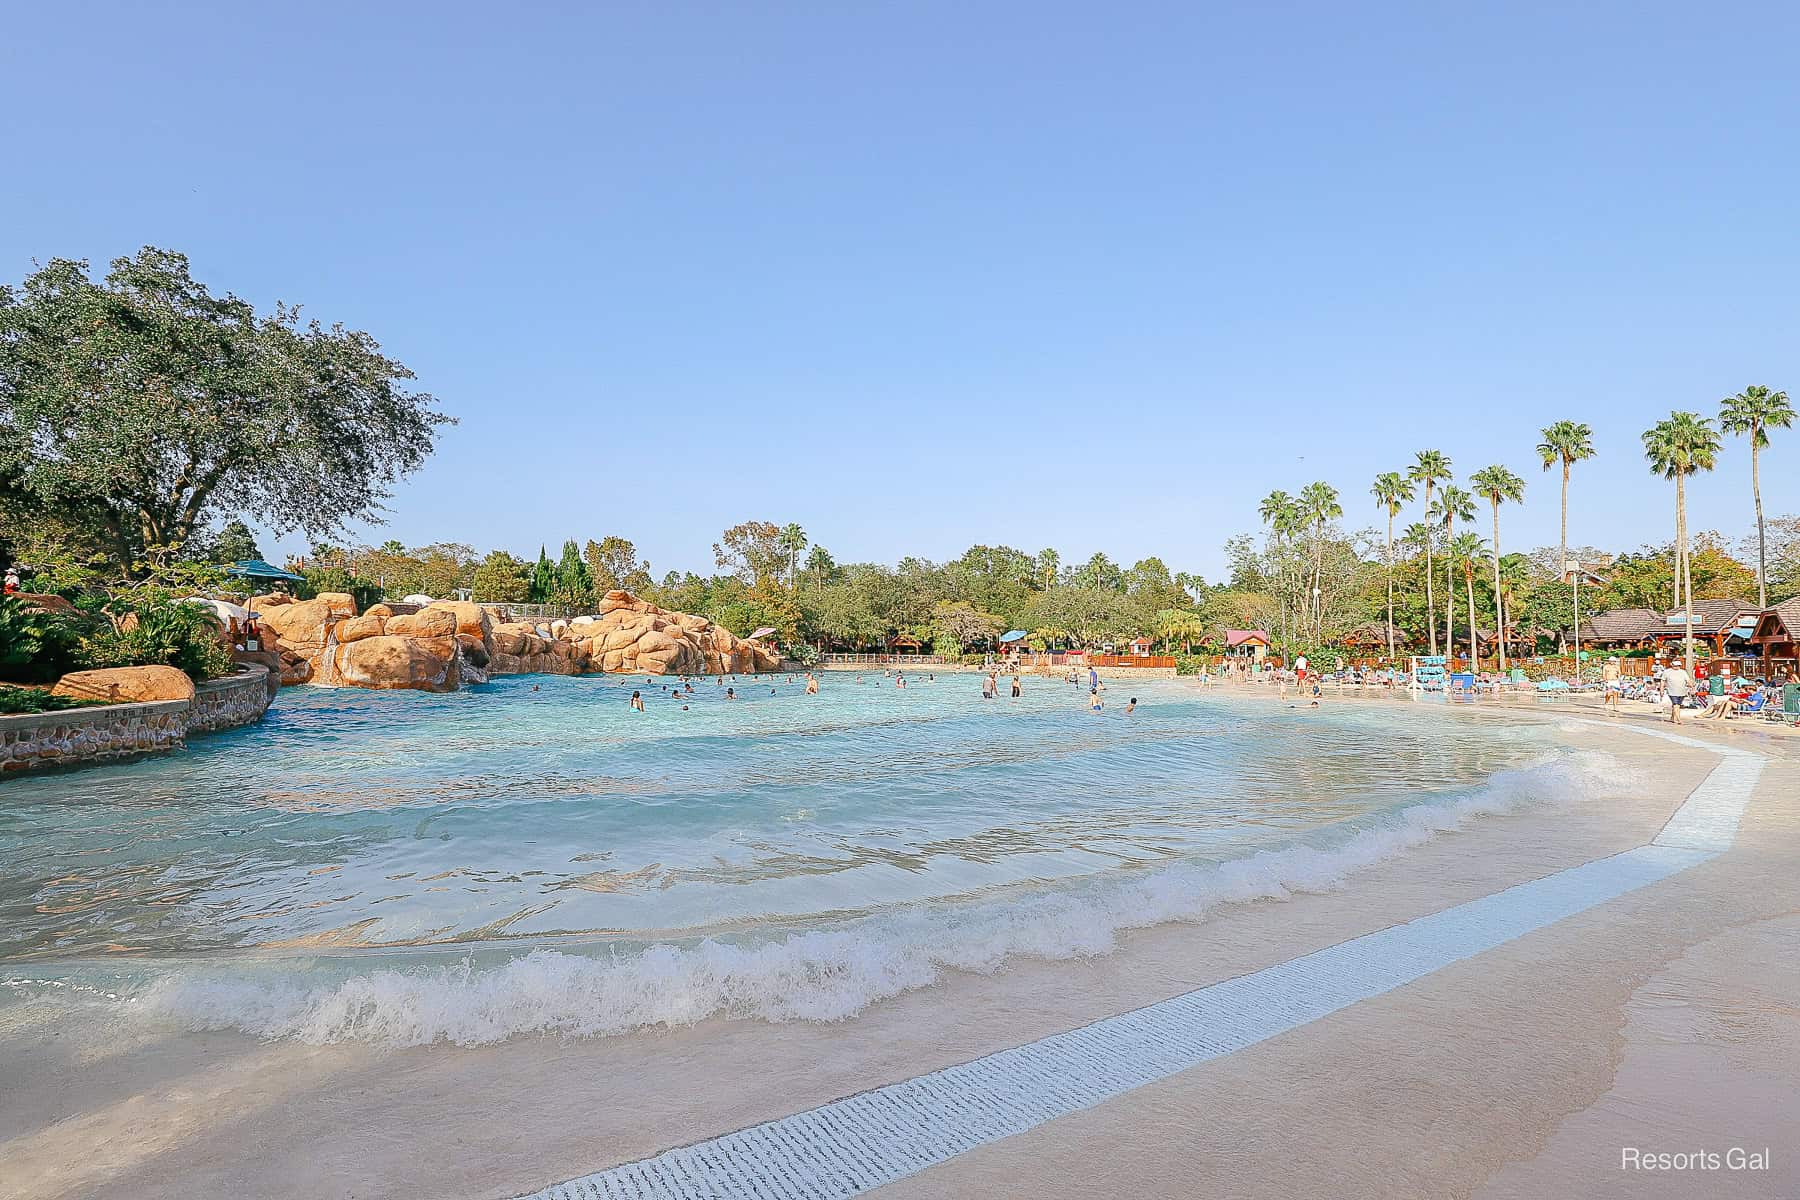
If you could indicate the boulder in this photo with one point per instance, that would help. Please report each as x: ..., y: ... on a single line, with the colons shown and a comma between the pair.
x: 303, y: 630
x: 426, y: 623
x: 354, y: 629
x: 427, y: 664
x: 126, y: 685
x: 471, y: 619
x: 474, y: 649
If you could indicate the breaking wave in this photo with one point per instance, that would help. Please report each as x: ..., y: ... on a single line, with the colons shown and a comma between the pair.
x: 827, y: 974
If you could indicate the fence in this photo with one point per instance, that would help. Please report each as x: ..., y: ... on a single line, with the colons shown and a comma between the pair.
x: 1164, y: 661
x: 880, y: 660
x: 534, y: 612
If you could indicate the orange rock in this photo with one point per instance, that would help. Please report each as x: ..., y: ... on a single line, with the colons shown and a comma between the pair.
x: 426, y: 623
x: 126, y: 685
x: 354, y: 629
x: 427, y: 664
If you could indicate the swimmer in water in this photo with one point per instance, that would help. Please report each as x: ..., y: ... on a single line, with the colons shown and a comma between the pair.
x: 731, y: 693
x: 637, y: 702
x: 1132, y: 707
x: 812, y: 685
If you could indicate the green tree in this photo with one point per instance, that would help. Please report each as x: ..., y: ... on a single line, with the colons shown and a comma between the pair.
x: 501, y: 579
x: 1465, y: 551
x: 752, y: 551
x: 233, y: 543
x: 1453, y: 504
x: 1499, y: 485
x: 143, y: 405
x: 613, y: 563
x: 792, y: 539
x: 1393, y: 492
x: 1319, y: 506
x: 1752, y: 413
x: 1430, y: 468
x: 1048, y: 561
x: 574, y: 585
x: 959, y: 623
x: 1565, y: 442
x: 1677, y: 448
x: 821, y: 568
x: 543, y: 579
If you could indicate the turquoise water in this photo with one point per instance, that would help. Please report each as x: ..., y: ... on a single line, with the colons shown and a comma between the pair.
x: 386, y: 829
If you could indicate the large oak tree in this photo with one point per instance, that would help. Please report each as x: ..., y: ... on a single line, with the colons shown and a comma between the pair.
x: 142, y: 406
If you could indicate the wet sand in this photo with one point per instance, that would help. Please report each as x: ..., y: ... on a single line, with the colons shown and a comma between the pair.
x: 1667, y: 1019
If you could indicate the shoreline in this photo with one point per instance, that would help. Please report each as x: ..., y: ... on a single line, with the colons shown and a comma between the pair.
x: 224, y: 1114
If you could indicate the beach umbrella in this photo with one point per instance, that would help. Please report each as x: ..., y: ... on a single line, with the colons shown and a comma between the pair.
x: 417, y: 598
x: 765, y: 631
x: 256, y: 568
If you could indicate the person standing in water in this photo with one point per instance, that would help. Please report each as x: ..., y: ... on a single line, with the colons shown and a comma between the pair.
x: 1094, y: 700
x: 989, y: 686
x: 1017, y: 690
x: 637, y: 701
x: 812, y: 685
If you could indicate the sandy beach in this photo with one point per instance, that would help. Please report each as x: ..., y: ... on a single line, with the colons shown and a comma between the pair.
x: 1665, y: 1020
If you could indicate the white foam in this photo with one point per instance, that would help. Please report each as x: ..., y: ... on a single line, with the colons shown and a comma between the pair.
x: 823, y: 975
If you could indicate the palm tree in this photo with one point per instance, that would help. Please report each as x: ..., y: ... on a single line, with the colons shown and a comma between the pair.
x: 1499, y: 485
x: 1465, y: 552
x: 1392, y: 491
x: 1280, y: 513
x: 1319, y: 504
x: 1429, y: 467
x: 1453, y: 505
x: 1567, y: 442
x: 1752, y: 413
x: 1047, y: 562
x: 1419, y: 535
x: 792, y: 538
x: 1676, y: 448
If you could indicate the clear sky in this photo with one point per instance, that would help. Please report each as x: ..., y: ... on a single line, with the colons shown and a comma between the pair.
x: 923, y: 275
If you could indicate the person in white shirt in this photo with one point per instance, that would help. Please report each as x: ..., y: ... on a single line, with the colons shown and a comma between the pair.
x: 1677, y: 683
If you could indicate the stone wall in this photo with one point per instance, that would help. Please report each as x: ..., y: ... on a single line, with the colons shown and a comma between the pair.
x: 77, y: 736
x: 239, y: 699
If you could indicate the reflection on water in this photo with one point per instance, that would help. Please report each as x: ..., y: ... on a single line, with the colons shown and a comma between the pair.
x: 355, y: 818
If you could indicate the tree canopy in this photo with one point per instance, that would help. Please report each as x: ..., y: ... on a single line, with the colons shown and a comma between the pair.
x: 138, y: 407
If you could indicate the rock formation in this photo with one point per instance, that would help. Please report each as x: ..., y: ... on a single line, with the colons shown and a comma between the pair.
x: 636, y: 637
x: 126, y: 685
x: 449, y: 643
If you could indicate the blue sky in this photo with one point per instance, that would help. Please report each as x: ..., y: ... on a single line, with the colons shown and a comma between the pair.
x: 924, y: 275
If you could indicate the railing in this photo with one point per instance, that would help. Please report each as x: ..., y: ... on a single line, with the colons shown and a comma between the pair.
x: 1131, y: 660
x: 880, y: 660
x: 533, y: 612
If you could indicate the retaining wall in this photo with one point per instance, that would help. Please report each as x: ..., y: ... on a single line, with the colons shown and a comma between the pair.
x: 76, y: 736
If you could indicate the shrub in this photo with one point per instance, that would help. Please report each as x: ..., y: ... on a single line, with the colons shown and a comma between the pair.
x: 34, y: 700
x: 161, y: 632
x: 36, y: 647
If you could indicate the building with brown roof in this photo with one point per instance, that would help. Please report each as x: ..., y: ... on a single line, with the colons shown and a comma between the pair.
x: 1777, y: 638
x: 1721, y: 625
